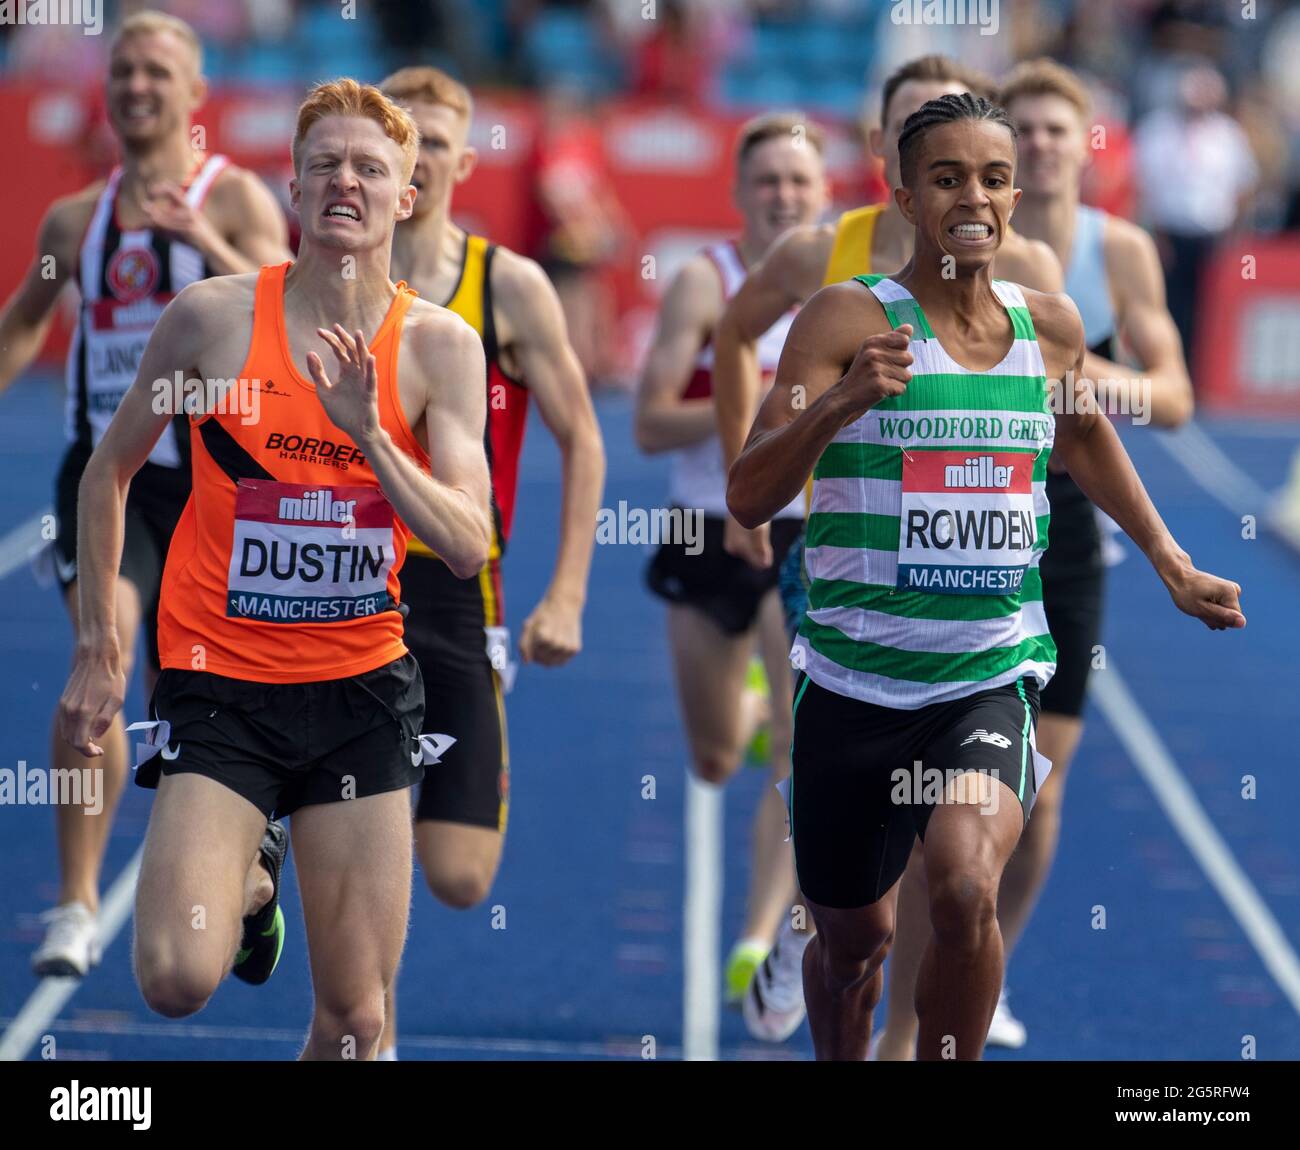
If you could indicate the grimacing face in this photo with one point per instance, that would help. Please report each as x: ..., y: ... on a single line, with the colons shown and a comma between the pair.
x: 962, y: 192
x: 781, y: 184
x: 1053, y: 144
x: 153, y: 87
x: 350, y: 190
x: 444, y: 159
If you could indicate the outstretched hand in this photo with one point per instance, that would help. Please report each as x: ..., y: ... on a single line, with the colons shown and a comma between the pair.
x: 351, y: 401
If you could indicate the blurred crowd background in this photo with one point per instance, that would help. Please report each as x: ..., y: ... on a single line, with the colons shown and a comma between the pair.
x: 617, y: 115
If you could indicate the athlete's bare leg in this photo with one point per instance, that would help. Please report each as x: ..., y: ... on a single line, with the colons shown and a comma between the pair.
x: 354, y: 872
x: 1058, y: 737
x: 967, y: 846
x: 460, y: 864
x: 771, y: 872
x: 1022, y: 882
x: 200, y: 875
x: 83, y: 836
x: 842, y: 976
x: 710, y: 670
x: 911, y: 937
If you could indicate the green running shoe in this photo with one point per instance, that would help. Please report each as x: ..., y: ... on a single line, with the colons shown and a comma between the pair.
x: 759, y: 751
x: 259, y: 951
x: 742, y: 963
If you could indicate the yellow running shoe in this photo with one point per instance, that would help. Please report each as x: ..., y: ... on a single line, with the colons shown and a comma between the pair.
x: 742, y: 963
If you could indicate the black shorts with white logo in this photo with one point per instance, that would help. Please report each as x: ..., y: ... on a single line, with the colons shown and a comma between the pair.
x: 284, y: 746
x: 470, y: 785
x: 866, y: 779
x: 725, y: 588
x: 153, y: 508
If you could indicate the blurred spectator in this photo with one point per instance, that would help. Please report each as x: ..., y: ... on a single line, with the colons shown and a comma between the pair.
x: 581, y: 226
x: 670, y: 63
x: 1196, y: 176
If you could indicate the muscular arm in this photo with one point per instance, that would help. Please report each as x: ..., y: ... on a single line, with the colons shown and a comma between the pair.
x: 790, y: 273
x: 97, y: 687
x: 1091, y: 450
x: 1163, y: 393
x: 664, y: 419
x: 532, y: 323
x: 447, y: 508
x: 25, y: 320
x: 826, y: 379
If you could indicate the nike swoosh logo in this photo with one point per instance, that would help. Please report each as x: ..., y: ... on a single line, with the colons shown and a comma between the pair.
x: 67, y: 568
x: 417, y: 756
x: 168, y: 754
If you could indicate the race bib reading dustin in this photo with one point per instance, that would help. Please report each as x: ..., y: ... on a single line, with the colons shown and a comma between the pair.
x: 967, y: 524
x: 309, y: 554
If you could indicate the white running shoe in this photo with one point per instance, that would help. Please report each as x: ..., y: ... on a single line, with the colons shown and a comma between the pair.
x: 1006, y: 1029
x: 773, y: 1006
x: 71, y: 945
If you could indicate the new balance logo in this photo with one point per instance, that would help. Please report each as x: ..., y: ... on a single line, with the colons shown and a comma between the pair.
x: 983, y: 736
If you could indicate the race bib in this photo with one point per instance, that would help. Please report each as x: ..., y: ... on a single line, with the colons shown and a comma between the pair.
x: 309, y: 554
x: 116, y: 335
x: 967, y: 523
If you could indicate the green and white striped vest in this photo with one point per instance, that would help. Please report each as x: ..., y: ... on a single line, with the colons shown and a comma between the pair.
x: 929, y: 516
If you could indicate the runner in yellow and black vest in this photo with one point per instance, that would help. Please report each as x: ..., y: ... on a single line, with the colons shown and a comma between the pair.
x: 457, y: 629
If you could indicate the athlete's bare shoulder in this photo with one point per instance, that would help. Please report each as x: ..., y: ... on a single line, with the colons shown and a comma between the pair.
x: 218, y: 299
x: 1129, y: 251
x: 842, y: 314
x: 66, y: 221
x: 440, y: 342
x: 1031, y: 263
x: 1058, y: 327
x: 799, y: 257
x: 522, y: 294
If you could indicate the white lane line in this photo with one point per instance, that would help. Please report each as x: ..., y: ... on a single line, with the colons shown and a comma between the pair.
x: 51, y: 994
x: 702, y: 913
x: 1173, y: 792
x: 1214, y: 471
x: 629, y: 1047
x: 17, y: 544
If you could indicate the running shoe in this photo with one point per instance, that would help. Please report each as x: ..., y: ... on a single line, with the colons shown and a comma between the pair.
x: 773, y: 1006
x: 1006, y: 1029
x: 71, y: 945
x: 745, y: 958
x: 259, y: 951
x: 759, y: 751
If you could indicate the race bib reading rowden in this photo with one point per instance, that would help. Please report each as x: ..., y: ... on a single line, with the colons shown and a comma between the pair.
x: 967, y: 522
x: 309, y: 554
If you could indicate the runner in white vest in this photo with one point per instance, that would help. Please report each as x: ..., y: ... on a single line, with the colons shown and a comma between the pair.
x: 719, y: 606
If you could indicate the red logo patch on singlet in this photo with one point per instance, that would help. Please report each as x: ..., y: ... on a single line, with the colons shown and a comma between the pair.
x: 133, y: 273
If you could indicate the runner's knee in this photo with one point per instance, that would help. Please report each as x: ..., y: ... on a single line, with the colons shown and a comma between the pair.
x: 462, y: 886
x: 175, y: 984
x: 715, y: 766
x: 963, y: 905
x: 846, y: 962
x: 354, y: 1026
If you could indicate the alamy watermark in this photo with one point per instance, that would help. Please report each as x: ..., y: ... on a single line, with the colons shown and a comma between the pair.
x: 85, y: 14
x: 930, y: 786
x: 980, y: 13
x: 680, y: 526
x: 55, y: 786
x: 182, y: 395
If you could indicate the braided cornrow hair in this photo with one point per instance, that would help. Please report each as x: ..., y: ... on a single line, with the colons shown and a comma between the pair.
x: 945, y: 110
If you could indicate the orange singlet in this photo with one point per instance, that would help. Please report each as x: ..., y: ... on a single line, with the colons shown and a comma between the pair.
x: 283, y: 568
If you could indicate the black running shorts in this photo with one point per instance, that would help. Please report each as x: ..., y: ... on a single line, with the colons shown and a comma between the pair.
x: 858, y: 797
x: 153, y: 508
x: 283, y: 746
x: 445, y: 631
x: 725, y: 588
x: 1074, y: 581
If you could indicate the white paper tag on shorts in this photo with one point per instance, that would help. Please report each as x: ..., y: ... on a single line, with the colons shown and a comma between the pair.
x: 157, y: 734
x: 783, y: 789
x: 44, y: 566
x: 1042, y: 764
x: 499, y: 655
x: 434, y: 747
